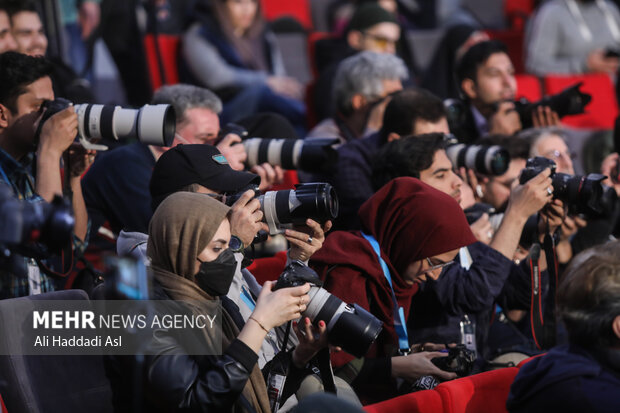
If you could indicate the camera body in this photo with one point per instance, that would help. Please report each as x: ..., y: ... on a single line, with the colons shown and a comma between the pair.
x: 581, y: 194
x: 570, y: 101
x: 348, y: 325
x: 460, y: 360
x: 151, y: 124
x: 317, y: 201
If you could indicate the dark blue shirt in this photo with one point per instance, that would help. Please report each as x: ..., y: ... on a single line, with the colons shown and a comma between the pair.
x: 116, y: 189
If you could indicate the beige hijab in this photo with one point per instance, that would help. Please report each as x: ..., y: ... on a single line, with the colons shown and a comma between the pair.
x: 180, y: 229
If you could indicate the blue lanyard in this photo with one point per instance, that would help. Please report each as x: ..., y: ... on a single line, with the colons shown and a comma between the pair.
x: 399, y: 314
x: 247, y: 298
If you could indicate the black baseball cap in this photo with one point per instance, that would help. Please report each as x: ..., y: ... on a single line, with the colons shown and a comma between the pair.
x: 184, y: 165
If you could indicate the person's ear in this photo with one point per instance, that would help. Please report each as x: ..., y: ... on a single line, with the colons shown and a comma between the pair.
x: 4, y: 116
x: 393, y: 137
x: 354, y: 39
x: 615, y: 326
x: 468, y: 86
x: 358, y: 101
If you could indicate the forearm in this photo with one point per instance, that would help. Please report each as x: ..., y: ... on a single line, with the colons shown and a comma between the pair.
x: 79, y: 209
x: 48, y: 181
x: 252, y: 334
x: 506, y: 239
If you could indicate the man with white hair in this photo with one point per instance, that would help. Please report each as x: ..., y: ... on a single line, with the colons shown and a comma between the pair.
x: 361, y: 87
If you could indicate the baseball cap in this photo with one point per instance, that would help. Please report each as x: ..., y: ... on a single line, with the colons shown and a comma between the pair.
x: 200, y: 164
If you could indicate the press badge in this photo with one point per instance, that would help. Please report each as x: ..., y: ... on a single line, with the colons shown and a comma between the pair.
x: 468, y: 333
x: 34, y: 277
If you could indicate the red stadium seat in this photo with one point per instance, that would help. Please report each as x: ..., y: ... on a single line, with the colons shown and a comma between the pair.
x: 513, y: 39
x: 529, y: 87
x: 289, y: 182
x: 2, y: 406
x: 480, y: 393
x: 517, y: 12
x: 168, y: 48
x: 422, y: 401
x: 268, y: 269
x: 601, y: 112
x: 298, y: 9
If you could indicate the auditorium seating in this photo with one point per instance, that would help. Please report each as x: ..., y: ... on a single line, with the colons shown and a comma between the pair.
x: 269, y: 268
x: 480, y: 393
x: 529, y: 87
x: 298, y: 9
x: 70, y: 383
x: 163, y: 69
x: 601, y: 112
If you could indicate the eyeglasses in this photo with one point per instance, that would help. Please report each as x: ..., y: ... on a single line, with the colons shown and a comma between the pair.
x: 381, y: 41
x: 432, y: 267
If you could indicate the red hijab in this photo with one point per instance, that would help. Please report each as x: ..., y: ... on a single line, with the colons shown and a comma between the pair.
x: 411, y: 221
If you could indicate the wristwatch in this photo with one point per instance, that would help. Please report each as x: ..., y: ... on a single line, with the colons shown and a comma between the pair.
x: 235, y: 244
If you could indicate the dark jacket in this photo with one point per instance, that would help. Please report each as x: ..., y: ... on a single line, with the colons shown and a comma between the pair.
x: 567, y: 379
x: 440, y: 305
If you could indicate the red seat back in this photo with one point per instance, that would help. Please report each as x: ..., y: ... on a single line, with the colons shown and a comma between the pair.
x: 529, y: 87
x: 298, y: 9
x: 602, y: 110
x: 289, y: 182
x: 513, y: 39
x: 268, y: 269
x: 422, y: 401
x: 480, y: 393
x: 168, y: 48
x: 2, y: 406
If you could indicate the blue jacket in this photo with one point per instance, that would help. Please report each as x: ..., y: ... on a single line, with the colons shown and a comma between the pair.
x: 566, y: 379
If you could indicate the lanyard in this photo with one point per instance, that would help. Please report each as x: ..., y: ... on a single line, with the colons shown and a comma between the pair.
x: 583, y: 27
x: 399, y: 314
x: 247, y: 298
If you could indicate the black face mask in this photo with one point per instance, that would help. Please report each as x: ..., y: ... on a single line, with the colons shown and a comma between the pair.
x: 215, y: 277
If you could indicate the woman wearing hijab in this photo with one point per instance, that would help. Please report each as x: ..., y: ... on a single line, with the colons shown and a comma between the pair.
x: 416, y: 230
x: 232, y: 52
x: 191, y: 262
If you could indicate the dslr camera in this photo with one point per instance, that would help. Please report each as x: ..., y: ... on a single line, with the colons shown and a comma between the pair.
x: 33, y: 229
x: 348, y: 325
x: 460, y: 360
x: 582, y: 194
x: 570, y: 101
x: 151, y: 124
x: 313, y: 155
x: 483, y: 159
x: 317, y: 201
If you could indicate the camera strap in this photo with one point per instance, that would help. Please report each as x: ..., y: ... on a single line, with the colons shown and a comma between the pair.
x: 536, y: 314
x: 549, y: 310
x: 399, y: 314
x: 542, y: 317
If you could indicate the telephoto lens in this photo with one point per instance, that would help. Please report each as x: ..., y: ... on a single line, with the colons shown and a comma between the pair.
x: 282, y: 209
x: 348, y: 325
x: 314, y: 155
x: 484, y: 159
x: 151, y: 124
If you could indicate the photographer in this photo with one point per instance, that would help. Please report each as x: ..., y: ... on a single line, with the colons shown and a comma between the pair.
x: 578, y: 232
x: 361, y: 86
x: 583, y: 376
x: 412, y: 111
x: 26, y: 85
x: 485, y: 274
x: 198, y: 168
x: 116, y: 187
x: 191, y: 262
x: 418, y: 231
x: 486, y: 77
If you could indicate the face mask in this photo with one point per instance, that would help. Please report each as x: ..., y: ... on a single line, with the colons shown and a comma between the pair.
x: 215, y: 277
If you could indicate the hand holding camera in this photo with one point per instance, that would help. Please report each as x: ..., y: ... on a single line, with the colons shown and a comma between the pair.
x: 306, y: 240
x: 311, y: 340
x: 415, y: 365
x: 58, y: 132
x: 274, y: 308
x: 234, y: 154
x: 246, y: 216
x: 530, y: 197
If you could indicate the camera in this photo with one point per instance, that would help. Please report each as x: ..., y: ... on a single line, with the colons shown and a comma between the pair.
x: 460, y: 360
x: 32, y: 229
x: 582, y: 194
x: 483, y: 159
x: 151, y: 124
x: 570, y: 101
x: 317, y: 201
x: 348, y: 325
x: 313, y: 155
